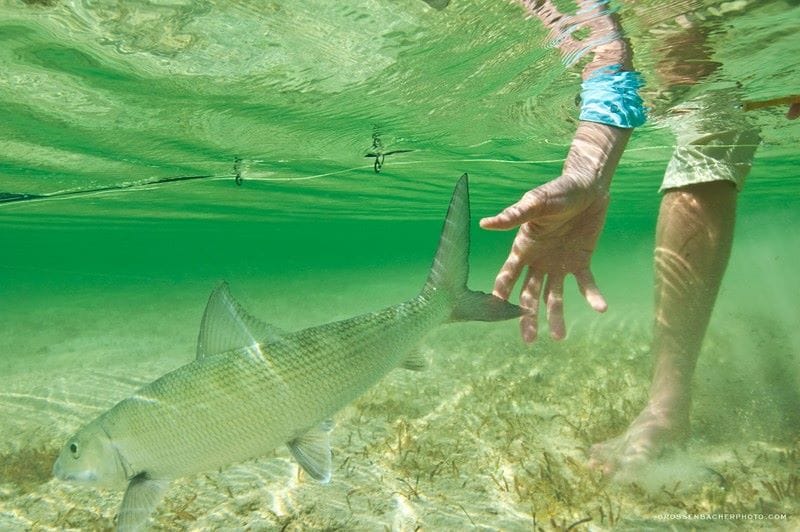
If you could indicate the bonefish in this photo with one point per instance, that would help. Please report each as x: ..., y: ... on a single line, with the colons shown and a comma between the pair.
x: 253, y: 387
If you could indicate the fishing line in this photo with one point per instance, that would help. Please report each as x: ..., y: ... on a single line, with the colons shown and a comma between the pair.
x: 11, y: 197
x: 308, y: 177
x: 239, y: 176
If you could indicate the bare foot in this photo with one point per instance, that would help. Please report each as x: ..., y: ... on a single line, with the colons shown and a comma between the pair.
x: 653, y: 430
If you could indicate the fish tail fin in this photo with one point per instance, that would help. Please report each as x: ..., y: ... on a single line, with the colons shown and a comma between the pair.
x: 450, y: 268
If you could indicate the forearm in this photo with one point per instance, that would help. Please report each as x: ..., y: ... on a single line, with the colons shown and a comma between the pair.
x: 595, y: 152
x: 605, y: 41
x: 596, y: 148
x: 609, y: 47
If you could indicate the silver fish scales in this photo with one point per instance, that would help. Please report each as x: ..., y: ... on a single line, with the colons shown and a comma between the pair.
x: 253, y: 387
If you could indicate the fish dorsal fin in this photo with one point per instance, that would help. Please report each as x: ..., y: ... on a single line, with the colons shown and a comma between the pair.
x: 227, y: 326
x: 450, y: 268
x: 312, y: 450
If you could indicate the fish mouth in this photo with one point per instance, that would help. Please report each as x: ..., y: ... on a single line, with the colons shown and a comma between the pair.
x: 73, y: 476
x: 83, y: 476
x: 57, y: 470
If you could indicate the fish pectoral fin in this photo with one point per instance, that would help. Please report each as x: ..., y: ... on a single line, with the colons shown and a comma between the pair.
x: 227, y: 326
x: 141, y: 498
x: 415, y: 361
x: 312, y: 450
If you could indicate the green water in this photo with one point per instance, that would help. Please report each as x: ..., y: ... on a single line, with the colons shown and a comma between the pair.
x: 103, y: 291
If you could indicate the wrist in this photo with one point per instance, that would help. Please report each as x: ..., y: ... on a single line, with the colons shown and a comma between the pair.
x: 594, y: 154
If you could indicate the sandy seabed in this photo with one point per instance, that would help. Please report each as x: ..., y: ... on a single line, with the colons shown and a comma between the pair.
x: 493, y: 436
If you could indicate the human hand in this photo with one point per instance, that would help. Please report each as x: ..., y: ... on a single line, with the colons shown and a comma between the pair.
x: 559, y: 224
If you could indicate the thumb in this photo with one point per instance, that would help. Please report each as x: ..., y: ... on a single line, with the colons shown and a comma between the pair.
x: 516, y: 214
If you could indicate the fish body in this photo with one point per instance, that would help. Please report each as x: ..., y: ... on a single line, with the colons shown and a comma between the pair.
x: 223, y: 409
x: 254, y: 387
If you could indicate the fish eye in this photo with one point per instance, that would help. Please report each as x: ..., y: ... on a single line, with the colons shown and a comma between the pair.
x: 73, y: 448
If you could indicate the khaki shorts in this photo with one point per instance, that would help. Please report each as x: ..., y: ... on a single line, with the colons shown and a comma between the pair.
x: 715, y: 142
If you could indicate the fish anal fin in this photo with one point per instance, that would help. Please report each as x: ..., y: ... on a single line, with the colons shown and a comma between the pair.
x: 227, y: 326
x: 312, y: 450
x: 141, y: 498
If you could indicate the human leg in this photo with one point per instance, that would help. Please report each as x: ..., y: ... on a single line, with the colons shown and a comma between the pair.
x: 694, y: 234
x: 693, y: 243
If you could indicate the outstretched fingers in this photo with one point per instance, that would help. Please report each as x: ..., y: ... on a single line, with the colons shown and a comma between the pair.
x: 554, y: 298
x: 508, y: 275
x: 529, y: 300
x: 591, y: 293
